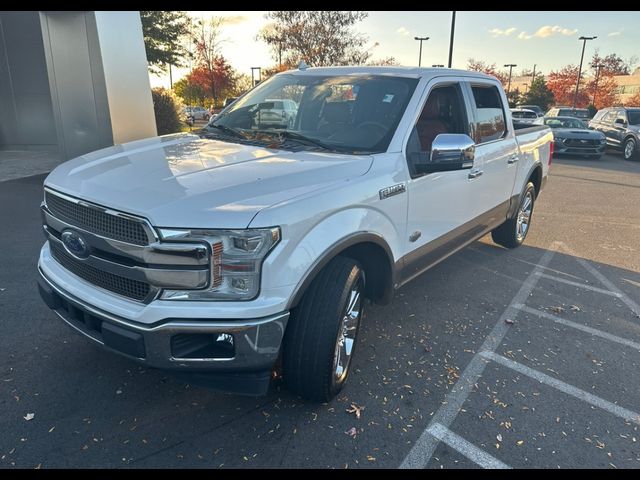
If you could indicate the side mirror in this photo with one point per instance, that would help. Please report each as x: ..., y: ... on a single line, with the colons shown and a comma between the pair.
x: 451, y: 151
x: 620, y: 121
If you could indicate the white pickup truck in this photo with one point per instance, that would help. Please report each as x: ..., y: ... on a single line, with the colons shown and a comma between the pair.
x: 243, y: 250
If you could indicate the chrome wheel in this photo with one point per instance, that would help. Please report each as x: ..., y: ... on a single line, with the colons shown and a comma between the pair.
x: 347, y: 334
x: 524, y: 216
x: 629, y: 147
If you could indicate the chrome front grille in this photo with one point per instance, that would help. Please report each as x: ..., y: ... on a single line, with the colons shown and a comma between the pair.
x: 126, y: 287
x: 121, y: 253
x: 96, y: 220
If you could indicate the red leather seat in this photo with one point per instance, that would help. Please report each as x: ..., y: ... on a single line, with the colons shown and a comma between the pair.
x: 429, y: 124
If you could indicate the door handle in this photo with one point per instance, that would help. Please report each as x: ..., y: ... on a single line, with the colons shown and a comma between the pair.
x: 475, y: 173
x: 512, y: 159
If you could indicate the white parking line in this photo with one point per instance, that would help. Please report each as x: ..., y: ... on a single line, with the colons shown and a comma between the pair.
x: 564, y: 387
x: 578, y: 326
x: 466, y: 448
x: 423, y: 449
x: 635, y: 308
x: 581, y: 285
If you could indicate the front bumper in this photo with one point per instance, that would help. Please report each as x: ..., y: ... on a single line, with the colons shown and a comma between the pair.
x: 231, y: 355
x: 560, y: 148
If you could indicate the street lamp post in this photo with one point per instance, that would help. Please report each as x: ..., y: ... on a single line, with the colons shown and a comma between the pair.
x: 510, y: 65
x: 584, y: 43
x: 595, y: 88
x: 421, y: 39
x: 453, y: 27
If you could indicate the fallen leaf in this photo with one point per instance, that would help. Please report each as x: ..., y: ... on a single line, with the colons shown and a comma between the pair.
x: 352, y: 432
x: 575, y: 308
x: 29, y: 416
x: 508, y: 321
x: 355, y: 409
x: 499, y: 437
x: 519, y: 442
x: 370, y: 458
x: 556, y: 309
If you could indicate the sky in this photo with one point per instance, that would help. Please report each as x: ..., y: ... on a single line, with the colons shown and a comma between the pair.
x: 546, y: 39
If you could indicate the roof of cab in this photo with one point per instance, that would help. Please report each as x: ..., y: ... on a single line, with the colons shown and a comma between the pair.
x: 416, y: 72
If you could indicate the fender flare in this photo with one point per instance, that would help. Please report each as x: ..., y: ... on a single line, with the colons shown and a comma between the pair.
x: 334, y: 250
x: 515, y: 199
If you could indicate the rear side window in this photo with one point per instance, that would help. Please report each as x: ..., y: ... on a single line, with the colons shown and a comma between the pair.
x: 598, y: 116
x: 609, y: 117
x: 489, y: 123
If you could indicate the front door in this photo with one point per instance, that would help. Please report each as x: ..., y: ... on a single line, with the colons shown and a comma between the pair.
x: 442, y: 205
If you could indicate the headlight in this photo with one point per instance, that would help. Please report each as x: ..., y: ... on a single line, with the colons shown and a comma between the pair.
x: 236, y: 261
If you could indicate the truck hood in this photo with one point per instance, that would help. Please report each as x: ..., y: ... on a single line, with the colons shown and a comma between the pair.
x: 185, y: 181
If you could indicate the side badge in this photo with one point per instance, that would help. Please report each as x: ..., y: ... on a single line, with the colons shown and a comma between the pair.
x: 392, y: 190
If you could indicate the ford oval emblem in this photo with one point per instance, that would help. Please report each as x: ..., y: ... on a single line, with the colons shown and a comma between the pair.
x: 75, y: 244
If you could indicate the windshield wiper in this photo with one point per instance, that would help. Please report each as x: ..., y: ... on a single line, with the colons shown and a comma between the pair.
x: 303, y: 139
x: 232, y: 131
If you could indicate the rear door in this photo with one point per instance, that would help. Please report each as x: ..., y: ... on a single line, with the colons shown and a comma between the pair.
x: 496, y: 148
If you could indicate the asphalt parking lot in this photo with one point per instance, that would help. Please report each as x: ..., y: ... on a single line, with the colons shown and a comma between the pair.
x: 494, y: 358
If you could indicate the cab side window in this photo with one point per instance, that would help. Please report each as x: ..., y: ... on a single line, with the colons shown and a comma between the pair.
x: 490, y: 118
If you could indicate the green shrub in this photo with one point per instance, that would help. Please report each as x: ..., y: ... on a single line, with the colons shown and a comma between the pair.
x: 167, y: 110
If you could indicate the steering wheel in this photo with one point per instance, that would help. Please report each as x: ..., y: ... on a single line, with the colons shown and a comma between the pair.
x: 370, y: 123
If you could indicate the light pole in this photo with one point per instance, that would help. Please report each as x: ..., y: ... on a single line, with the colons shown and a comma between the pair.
x: 421, y: 39
x: 584, y: 43
x: 533, y: 76
x: 595, y: 88
x: 510, y: 65
x: 453, y: 27
x: 253, y: 82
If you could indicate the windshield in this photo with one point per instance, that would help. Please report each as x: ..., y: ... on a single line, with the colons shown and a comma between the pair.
x: 524, y: 114
x: 634, y: 117
x: 564, y: 123
x: 535, y: 108
x: 347, y: 113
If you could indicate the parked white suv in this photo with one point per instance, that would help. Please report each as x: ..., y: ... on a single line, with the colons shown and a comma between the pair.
x: 219, y: 253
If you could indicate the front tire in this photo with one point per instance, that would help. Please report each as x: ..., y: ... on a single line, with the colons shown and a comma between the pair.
x: 321, y: 335
x: 511, y: 234
x: 629, y: 151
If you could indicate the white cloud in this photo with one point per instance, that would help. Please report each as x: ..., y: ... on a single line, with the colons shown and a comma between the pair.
x: 614, y: 34
x: 403, y: 31
x: 496, y: 32
x: 548, y: 31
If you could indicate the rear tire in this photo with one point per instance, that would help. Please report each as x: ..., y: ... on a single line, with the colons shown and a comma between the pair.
x: 512, y: 233
x: 322, y: 332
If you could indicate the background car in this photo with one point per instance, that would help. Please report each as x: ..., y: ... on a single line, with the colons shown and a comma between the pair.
x: 621, y: 126
x: 276, y: 113
x: 200, y: 112
x: 572, y: 137
x: 581, y: 113
x: 535, y: 108
x: 524, y: 115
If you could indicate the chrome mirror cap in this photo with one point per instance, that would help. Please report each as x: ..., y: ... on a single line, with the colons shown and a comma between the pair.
x: 453, y: 147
